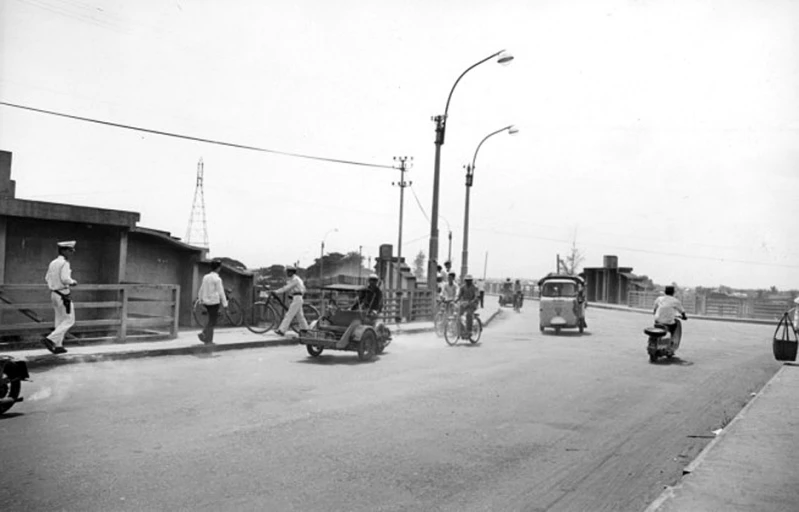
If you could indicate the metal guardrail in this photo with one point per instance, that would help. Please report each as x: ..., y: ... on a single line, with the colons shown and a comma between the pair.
x: 102, y: 311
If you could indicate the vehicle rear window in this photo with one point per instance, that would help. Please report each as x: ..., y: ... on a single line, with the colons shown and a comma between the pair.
x: 559, y: 290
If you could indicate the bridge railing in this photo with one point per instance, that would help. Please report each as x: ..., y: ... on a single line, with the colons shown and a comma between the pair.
x: 116, y: 312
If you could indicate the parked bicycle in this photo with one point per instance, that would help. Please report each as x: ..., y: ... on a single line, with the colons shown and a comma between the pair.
x: 267, y: 314
x: 456, y: 328
x: 443, y: 310
x: 233, y: 314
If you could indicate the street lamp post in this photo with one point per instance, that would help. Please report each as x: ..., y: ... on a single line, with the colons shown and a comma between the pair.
x: 469, y: 181
x: 503, y: 57
x: 322, y: 258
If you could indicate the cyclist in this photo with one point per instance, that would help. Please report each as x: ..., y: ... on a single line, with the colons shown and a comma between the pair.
x: 449, y: 292
x: 468, y: 298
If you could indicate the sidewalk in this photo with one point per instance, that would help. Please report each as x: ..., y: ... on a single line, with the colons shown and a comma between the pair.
x: 230, y: 338
x: 753, y: 465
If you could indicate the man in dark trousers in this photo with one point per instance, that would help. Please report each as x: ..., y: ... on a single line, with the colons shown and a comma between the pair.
x: 212, y: 295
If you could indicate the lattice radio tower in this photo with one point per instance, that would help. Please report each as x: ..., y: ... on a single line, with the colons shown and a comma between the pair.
x: 197, y: 232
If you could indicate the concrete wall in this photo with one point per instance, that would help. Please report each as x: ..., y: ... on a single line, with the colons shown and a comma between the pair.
x: 152, y: 260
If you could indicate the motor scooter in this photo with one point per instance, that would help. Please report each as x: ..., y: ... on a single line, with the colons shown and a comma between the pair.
x: 660, y: 343
x: 12, y: 373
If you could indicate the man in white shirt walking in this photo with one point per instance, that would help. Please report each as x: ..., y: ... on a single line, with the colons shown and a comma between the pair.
x: 212, y: 295
x: 59, y: 280
x: 295, y: 288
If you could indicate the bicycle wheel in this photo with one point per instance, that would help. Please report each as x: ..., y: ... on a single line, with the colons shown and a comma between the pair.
x: 440, y: 323
x: 234, y: 313
x: 260, y: 319
x: 200, y: 313
x: 451, y: 330
x: 310, y: 313
x: 477, y: 330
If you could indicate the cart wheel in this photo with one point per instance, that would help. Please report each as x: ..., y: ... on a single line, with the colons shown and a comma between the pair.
x: 653, y: 356
x: 541, y: 327
x: 314, y: 350
x: 581, y: 328
x: 367, y: 346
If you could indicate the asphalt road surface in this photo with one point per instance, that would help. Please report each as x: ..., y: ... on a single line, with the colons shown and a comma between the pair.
x: 521, y: 421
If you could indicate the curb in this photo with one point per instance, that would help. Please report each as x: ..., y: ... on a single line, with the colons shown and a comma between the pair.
x: 668, y: 492
x: 50, y: 360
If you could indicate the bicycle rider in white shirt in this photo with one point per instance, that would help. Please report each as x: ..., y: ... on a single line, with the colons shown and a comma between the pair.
x: 449, y: 291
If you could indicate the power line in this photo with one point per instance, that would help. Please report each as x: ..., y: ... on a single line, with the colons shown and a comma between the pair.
x: 420, y: 204
x: 196, y: 139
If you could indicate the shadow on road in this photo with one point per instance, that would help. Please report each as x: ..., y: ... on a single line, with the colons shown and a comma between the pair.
x: 674, y: 361
x: 324, y: 359
x: 10, y: 415
x: 567, y: 334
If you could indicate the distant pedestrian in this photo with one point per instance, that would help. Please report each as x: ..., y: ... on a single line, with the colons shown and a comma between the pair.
x: 481, y: 290
x: 296, y: 289
x: 59, y: 281
x: 212, y: 295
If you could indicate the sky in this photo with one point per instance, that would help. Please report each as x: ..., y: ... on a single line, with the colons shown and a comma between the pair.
x: 664, y: 133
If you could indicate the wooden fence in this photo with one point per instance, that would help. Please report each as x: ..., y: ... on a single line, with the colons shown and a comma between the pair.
x: 102, y: 312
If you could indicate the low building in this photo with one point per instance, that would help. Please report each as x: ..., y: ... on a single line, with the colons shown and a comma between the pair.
x: 112, y: 252
x: 610, y: 283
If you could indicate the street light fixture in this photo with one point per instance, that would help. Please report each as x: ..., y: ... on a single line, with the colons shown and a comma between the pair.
x: 322, y: 257
x: 503, y: 57
x: 512, y: 130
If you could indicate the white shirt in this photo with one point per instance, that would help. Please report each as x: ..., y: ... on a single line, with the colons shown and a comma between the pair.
x: 667, y: 309
x: 449, y: 291
x: 59, y: 275
x: 212, y: 291
x: 293, y: 286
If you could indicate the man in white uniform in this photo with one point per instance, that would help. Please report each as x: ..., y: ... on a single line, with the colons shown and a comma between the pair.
x: 59, y: 280
x: 295, y: 288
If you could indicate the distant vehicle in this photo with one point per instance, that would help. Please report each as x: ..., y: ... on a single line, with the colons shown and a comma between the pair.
x: 562, y: 306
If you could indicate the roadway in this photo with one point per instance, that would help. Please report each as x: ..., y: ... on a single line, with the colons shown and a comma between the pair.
x: 521, y: 421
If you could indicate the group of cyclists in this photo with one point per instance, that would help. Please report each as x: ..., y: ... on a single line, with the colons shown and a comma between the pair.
x: 466, y: 296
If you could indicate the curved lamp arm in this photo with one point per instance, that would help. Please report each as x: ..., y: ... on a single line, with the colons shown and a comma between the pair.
x: 511, y: 129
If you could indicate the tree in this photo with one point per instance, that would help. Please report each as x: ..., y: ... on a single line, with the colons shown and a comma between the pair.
x: 418, y: 266
x: 575, y: 258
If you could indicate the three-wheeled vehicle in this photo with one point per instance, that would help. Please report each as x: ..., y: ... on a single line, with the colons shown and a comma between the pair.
x: 506, y: 295
x: 562, y: 304
x: 343, y: 325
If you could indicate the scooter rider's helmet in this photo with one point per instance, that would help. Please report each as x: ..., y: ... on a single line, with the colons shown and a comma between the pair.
x: 291, y: 270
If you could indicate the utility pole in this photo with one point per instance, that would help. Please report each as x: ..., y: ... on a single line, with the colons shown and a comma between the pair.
x: 403, y: 161
x: 360, y: 263
x: 449, y: 254
x: 485, y: 267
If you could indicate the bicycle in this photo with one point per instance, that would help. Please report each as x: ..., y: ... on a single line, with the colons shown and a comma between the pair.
x: 455, y: 328
x: 265, y: 316
x: 233, y: 313
x: 444, y: 309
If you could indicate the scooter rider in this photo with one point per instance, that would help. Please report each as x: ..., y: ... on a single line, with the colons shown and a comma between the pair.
x: 667, y: 309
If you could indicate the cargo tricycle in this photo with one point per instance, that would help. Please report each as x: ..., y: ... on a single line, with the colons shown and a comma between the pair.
x: 345, y: 325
